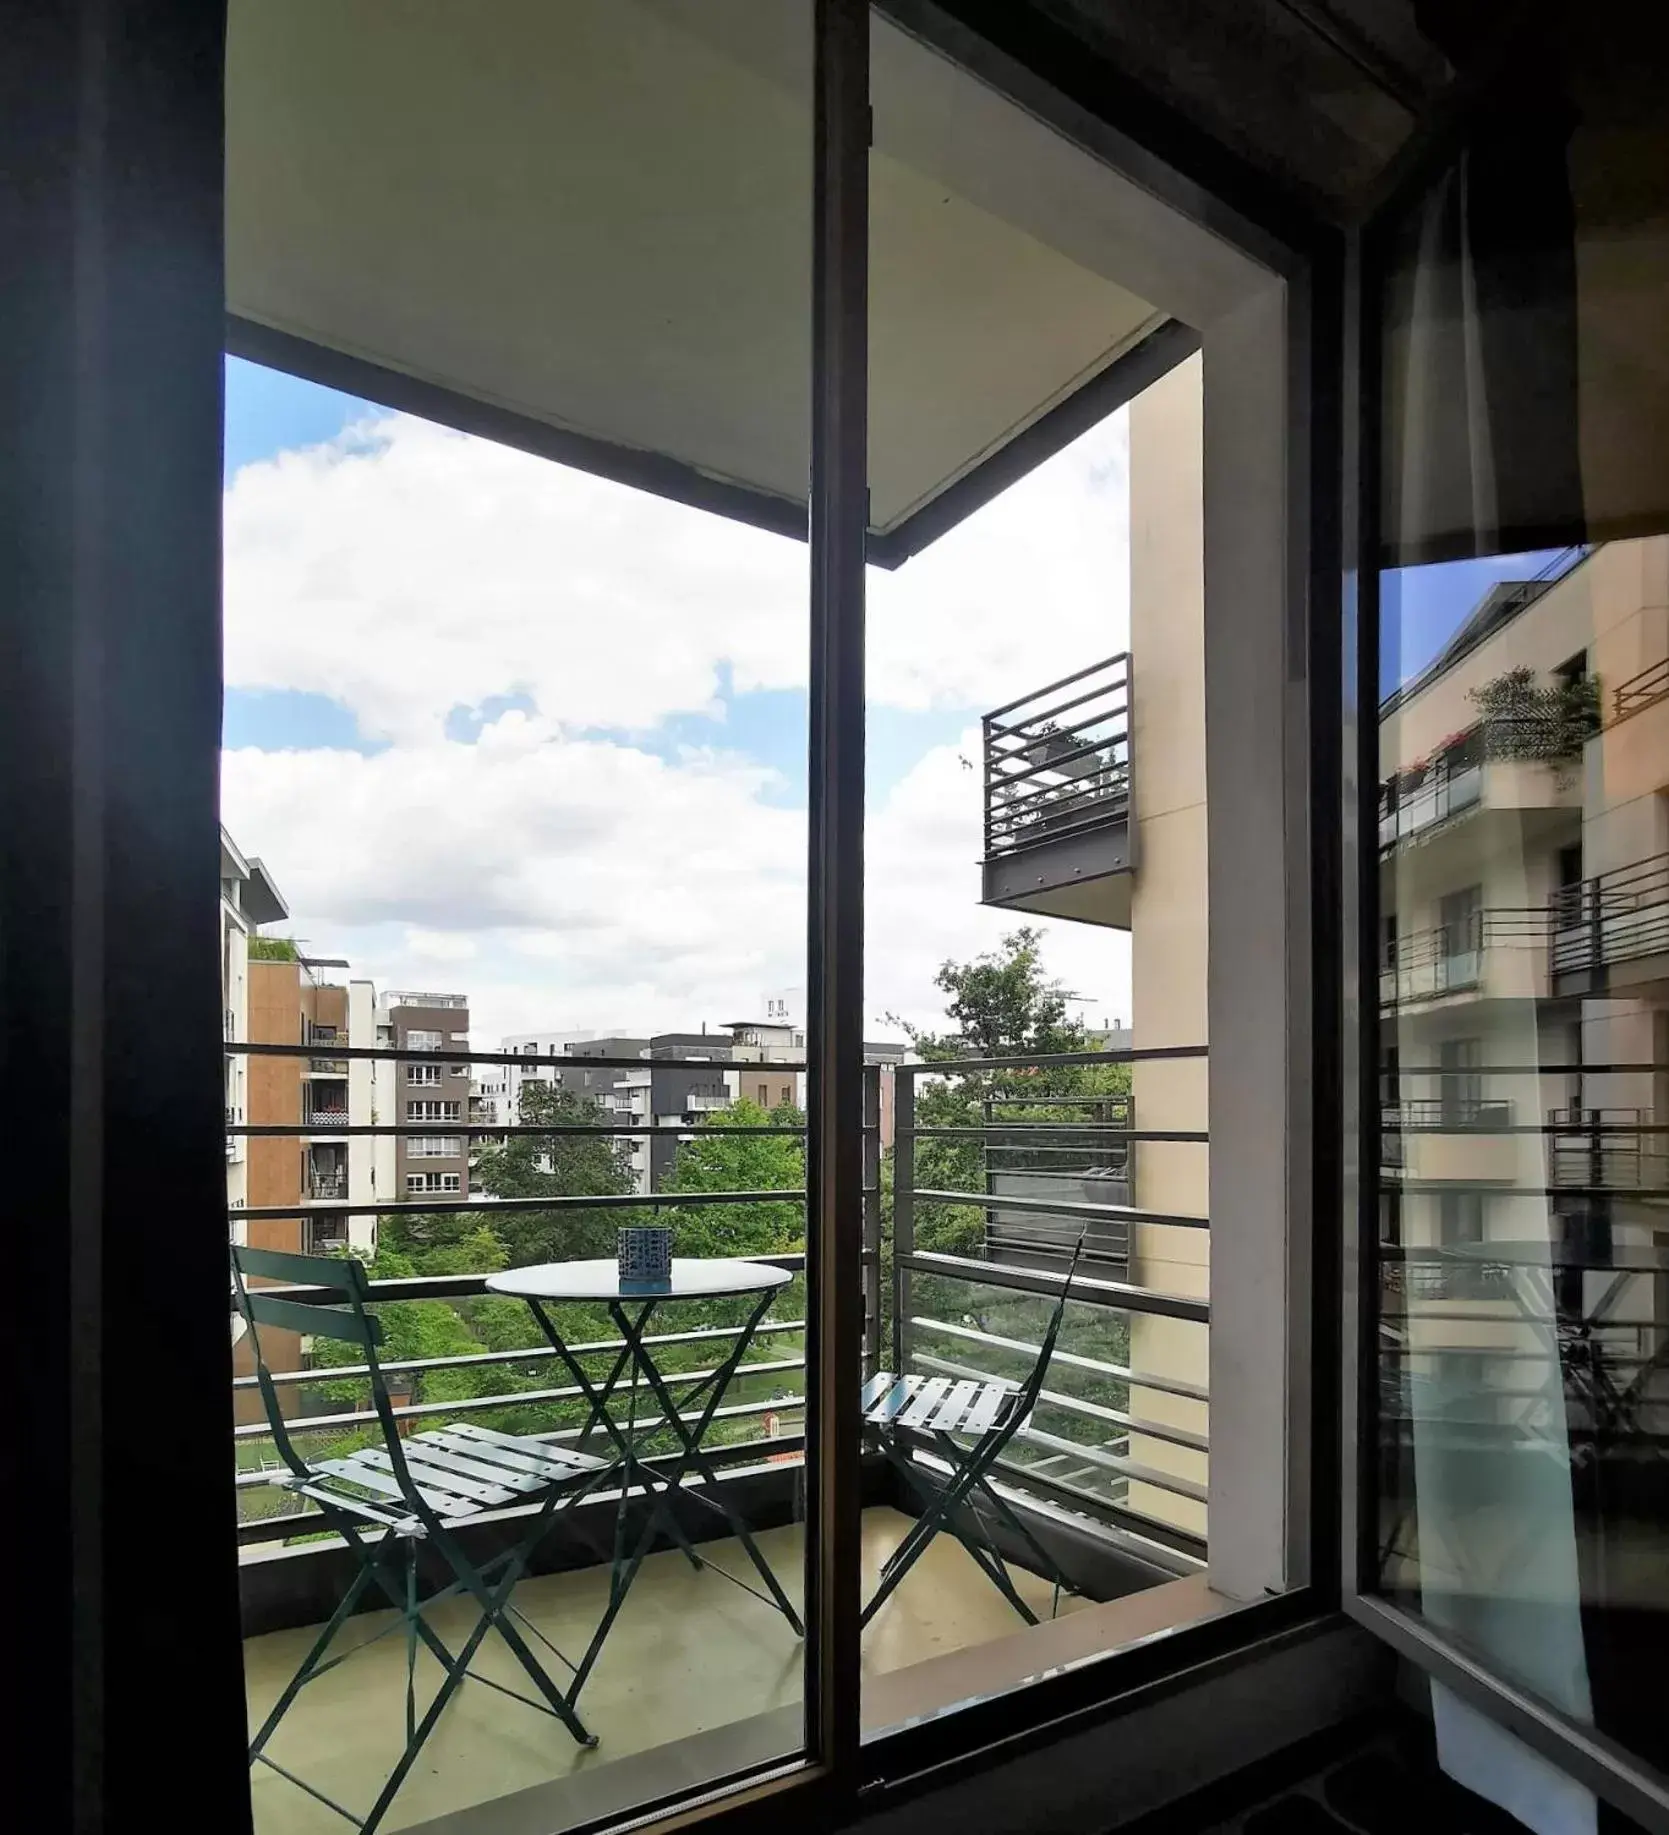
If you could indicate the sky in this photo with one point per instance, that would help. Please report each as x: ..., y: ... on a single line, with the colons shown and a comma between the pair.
x: 501, y: 728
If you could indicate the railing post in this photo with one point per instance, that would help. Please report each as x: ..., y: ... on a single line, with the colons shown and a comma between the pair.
x: 903, y: 1209
x: 872, y: 1310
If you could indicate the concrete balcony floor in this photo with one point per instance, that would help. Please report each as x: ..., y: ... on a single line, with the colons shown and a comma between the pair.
x: 696, y: 1680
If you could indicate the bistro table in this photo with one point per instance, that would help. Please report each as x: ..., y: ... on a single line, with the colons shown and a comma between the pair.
x: 631, y: 1306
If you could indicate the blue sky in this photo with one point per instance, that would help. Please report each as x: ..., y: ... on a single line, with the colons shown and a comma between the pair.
x: 268, y: 412
x: 1422, y: 607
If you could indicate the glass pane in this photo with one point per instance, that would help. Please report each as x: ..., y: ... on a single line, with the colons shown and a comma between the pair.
x: 513, y: 898
x: 1523, y: 955
x: 1035, y: 1474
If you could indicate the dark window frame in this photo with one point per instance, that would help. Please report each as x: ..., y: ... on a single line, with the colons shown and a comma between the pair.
x: 155, y: 139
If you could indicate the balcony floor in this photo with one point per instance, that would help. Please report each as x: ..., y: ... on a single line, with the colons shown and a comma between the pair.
x: 696, y: 1679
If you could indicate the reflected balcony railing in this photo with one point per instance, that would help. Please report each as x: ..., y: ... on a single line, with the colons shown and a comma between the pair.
x: 1621, y: 916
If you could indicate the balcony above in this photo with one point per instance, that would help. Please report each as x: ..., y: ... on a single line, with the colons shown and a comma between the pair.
x: 1610, y: 934
x: 1059, y: 838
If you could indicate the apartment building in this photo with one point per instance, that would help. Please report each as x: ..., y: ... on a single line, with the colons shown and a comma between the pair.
x: 249, y: 898
x: 1524, y: 964
x: 431, y: 1092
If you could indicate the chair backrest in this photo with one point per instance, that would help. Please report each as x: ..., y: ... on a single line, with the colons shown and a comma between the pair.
x: 342, y: 1318
x: 1032, y: 1386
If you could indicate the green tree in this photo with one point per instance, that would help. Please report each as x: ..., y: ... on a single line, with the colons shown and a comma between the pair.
x: 552, y: 1165
x: 729, y: 1153
x: 1002, y: 1004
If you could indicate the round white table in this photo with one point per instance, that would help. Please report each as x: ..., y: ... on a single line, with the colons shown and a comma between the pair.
x: 693, y: 1278
x: 631, y: 1306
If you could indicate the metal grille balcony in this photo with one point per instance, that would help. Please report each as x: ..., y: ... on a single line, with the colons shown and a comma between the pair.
x: 1057, y: 787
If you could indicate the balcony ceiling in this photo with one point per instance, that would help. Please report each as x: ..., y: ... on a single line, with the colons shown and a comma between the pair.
x: 595, y: 218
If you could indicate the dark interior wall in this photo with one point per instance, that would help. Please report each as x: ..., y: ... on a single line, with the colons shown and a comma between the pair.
x: 110, y: 385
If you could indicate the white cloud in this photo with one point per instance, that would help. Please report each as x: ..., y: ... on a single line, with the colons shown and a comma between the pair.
x: 438, y: 945
x: 557, y: 875
x: 405, y: 570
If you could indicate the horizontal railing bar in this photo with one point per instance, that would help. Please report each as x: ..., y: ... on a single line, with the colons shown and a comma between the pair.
x: 336, y: 1373
x: 458, y: 1054
x: 464, y: 1286
x: 1070, y: 787
x: 1132, y: 1469
x: 1109, y: 1129
x: 1089, y: 1290
x: 367, y: 1417
x: 1065, y: 681
x: 1108, y: 1252
x: 1065, y: 1207
x: 1037, y: 727
x: 1060, y: 1060
x: 339, y: 1131
x: 1573, y: 1189
x: 1022, y: 1477
x: 1586, y: 1069
x: 277, y: 1474
x: 1574, y: 1130
x: 1168, y: 1385
x: 1073, y: 1404
x: 1003, y: 843
x: 564, y: 1201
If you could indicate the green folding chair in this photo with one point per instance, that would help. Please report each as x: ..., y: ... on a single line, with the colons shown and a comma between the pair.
x: 968, y: 1423
x: 387, y: 1501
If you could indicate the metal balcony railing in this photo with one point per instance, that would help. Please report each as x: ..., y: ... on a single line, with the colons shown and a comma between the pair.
x: 1605, y: 1149
x: 1057, y: 762
x: 1619, y: 916
x: 1640, y: 691
x: 933, y: 1301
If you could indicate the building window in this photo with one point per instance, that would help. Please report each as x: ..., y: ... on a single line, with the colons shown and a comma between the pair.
x: 434, y: 1111
x: 1460, y: 1218
x: 423, y: 1073
x: 422, y: 1184
x: 417, y: 1040
x: 433, y: 1147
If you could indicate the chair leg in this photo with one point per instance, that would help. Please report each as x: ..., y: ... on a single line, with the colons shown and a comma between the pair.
x: 1047, y: 1565
x: 495, y: 1599
x: 315, y: 1656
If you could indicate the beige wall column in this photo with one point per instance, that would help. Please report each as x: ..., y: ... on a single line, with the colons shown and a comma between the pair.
x: 1169, y: 913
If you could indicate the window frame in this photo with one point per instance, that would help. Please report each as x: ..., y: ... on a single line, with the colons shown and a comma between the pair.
x: 1613, y: 1774
x: 165, y: 138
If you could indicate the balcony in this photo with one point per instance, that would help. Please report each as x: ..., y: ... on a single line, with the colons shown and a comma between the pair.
x: 1607, y: 1150
x: 1449, y: 1140
x: 1523, y: 763
x: 327, y: 1187
x: 1059, y: 837
x: 1610, y: 934
x: 1495, y: 953
x: 1103, y: 1472
x: 318, y: 1116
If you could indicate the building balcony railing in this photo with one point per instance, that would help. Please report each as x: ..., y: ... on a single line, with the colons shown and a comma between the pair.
x: 1422, y: 1275
x: 1606, y: 1150
x: 1057, y: 785
x: 1613, y: 919
x: 1640, y: 691
x: 1498, y: 951
x: 1500, y: 761
x: 1456, y: 1138
x: 327, y: 1185
x: 325, y: 1118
